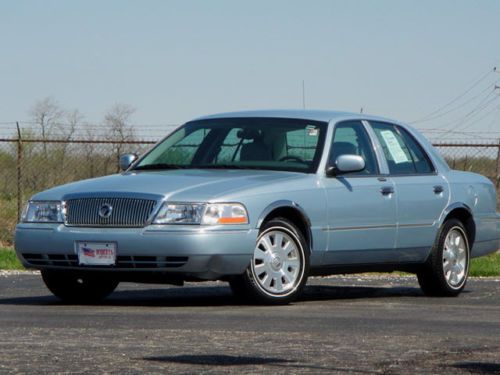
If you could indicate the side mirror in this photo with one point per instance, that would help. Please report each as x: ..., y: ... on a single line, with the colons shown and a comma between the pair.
x: 345, y: 164
x: 126, y: 160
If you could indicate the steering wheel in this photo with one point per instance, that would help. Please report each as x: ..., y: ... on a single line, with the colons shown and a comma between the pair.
x: 292, y: 158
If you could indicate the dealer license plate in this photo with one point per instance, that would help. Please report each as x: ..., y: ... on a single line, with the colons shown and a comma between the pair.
x: 96, y: 253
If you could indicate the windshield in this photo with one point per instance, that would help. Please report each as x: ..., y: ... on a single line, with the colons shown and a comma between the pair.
x: 240, y: 143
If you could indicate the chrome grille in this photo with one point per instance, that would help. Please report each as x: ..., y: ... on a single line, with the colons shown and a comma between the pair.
x: 126, y: 212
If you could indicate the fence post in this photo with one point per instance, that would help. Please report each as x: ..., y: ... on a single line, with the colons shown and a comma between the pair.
x: 498, y: 165
x: 19, y: 172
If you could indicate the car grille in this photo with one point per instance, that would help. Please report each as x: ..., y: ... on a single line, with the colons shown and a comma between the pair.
x: 122, y: 262
x: 125, y: 212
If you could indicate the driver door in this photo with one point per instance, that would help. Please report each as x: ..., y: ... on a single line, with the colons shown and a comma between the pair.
x: 361, y: 205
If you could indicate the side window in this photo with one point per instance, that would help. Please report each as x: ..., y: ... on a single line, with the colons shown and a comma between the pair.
x: 420, y: 158
x: 403, y: 154
x: 350, y: 137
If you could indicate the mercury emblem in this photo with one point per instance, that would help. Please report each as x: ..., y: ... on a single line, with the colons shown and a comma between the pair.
x: 105, y: 211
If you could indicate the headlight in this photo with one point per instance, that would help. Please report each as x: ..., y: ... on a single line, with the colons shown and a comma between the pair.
x: 225, y: 213
x: 43, y: 212
x: 179, y: 213
x: 201, y: 213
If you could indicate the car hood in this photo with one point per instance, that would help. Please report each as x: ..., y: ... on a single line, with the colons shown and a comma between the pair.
x: 181, y: 185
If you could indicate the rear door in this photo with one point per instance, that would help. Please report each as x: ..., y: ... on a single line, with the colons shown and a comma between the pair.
x: 421, y: 192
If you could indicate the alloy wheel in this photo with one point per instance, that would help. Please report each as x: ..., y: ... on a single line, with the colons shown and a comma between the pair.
x: 277, y: 262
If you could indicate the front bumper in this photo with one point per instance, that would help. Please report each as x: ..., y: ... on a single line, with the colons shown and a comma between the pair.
x: 200, y: 252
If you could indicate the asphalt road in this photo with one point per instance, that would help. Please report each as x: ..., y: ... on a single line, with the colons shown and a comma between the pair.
x: 342, y: 325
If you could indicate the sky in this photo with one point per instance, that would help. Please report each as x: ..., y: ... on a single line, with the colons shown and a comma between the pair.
x: 175, y: 60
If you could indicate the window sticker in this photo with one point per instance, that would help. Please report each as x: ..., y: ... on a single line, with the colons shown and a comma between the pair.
x: 312, y: 130
x: 397, y: 153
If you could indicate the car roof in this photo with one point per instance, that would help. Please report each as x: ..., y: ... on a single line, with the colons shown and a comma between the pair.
x: 304, y: 114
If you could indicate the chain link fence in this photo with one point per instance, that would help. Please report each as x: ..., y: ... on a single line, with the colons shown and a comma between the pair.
x: 482, y: 158
x: 29, y: 165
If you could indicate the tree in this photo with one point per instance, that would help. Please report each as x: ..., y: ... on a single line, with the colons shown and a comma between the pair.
x: 117, y: 122
x: 47, y: 116
x: 118, y: 127
x: 73, y: 120
x: 51, y: 122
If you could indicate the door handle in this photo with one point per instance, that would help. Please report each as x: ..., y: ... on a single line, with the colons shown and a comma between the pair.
x: 386, y: 190
x: 438, y: 189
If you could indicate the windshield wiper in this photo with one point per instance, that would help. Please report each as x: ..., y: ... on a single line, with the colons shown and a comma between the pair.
x: 160, y: 166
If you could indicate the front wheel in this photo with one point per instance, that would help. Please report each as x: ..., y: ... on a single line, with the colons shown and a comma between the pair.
x: 85, y: 288
x: 279, y: 267
x: 447, y: 268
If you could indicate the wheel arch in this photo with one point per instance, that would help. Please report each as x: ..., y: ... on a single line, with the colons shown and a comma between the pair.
x: 292, y: 211
x: 462, y: 212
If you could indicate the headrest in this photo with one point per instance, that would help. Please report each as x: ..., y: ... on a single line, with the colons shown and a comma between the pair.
x: 249, y: 134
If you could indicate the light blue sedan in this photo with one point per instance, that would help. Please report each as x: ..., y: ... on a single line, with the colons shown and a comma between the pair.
x: 263, y: 200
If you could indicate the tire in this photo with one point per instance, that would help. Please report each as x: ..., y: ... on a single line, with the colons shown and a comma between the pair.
x: 238, y: 286
x: 447, y: 268
x: 278, y: 272
x: 71, y: 287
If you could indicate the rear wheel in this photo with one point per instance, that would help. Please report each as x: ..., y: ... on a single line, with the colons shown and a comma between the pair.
x: 447, y: 268
x: 71, y: 287
x: 279, y: 267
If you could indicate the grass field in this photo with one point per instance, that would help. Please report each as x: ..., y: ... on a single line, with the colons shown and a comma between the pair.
x: 484, y: 266
x: 8, y: 260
